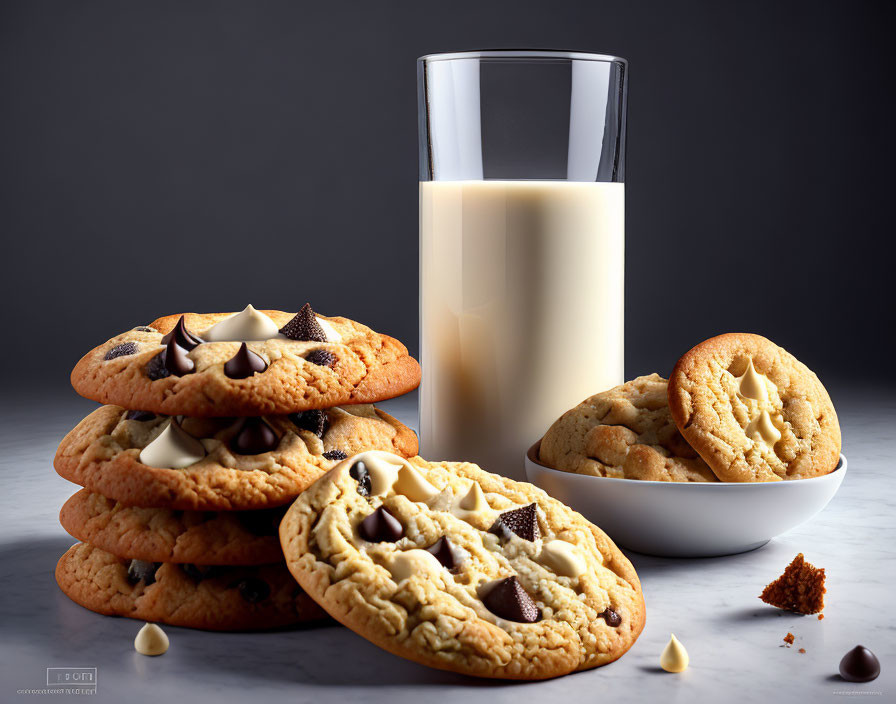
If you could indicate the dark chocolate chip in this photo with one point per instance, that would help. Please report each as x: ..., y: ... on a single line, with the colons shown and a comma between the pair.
x: 335, y: 455
x: 155, y: 368
x: 611, y: 617
x: 141, y: 570
x: 313, y: 421
x: 244, y: 364
x: 445, y: 553
x: 253, y: 437
x: 522, y: 521
x: 141, y: 416
x: 360, y: 474
x: 859, y: 665
x: 200, y: 572
x: 182, y: 336
x: 261, y: 522
x: 322, y: 358
x: 253, y: 589
x: 304, y: 327
x: 381, y: 527
x: 176, y: 360
x: 144, y: 328
x: 122, y: 350
x: 510, y: 601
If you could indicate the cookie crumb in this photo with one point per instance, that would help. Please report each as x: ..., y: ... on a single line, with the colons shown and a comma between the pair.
x: 800, y: 589
x: 821, y: 617
x: 802, y: 650
x: 789, y: 638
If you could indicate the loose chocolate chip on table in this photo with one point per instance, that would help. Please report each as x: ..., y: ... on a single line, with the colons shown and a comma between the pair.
x: 322, y: 358
x: 859, y: 665
x: 304, y: 327
x: 381, y: 527
x: 122, y: 350
x: 141, y: 416
x: 522, y: 521
x: 335, y: 455
x: 141, y: 570
x: 360, y: 474
x: 253, y: 589
x: 313, y: 421
x: 182, y: 336
x: 611, y: 617
x: 244, y: 364
x: 254, y: 437
x: 445, y: 553
x: 510, y: 601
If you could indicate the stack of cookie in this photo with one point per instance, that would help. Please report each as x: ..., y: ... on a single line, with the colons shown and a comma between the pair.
x: 215, y: 423
x: 737, y: 408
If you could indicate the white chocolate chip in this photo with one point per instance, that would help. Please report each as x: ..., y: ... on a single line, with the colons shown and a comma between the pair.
x: 151, y: 640
x: 675, y: 657
x: 246, y: 326
x: 382, y: 467
x: 762, y: 429
x: 329, y: 330
x: 752, y: 384
x: 413, y: 562
x: 414, y: 485
x: 173, y: 448
x: 562, y: 558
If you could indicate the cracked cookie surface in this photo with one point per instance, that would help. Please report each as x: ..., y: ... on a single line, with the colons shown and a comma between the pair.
x: 169, y: 535
x: 459, y: 569
x: 626, y: 432
x: 366, y: 366
x: 102, y: 453
x: 217, y: 599
x: 753, y: 411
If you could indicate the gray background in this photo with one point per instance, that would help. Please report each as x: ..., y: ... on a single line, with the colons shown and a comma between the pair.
x: 163, y: 156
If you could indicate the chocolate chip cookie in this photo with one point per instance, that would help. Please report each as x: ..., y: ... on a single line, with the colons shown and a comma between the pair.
x: 627, y: 433
x: 211, y: 598
x: 753, y: 411
x: 167, y: 535
x: 459, y: 569
x: 211, y: 464
x: 250, y: 363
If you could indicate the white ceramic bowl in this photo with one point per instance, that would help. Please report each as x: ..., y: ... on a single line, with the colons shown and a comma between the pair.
x: 688, y: 520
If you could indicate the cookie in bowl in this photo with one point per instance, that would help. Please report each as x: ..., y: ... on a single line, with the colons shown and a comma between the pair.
x: 753, y: 411
x: 626, y: 432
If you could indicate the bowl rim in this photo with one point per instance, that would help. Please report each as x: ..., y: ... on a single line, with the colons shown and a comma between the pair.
x: 838, y: 471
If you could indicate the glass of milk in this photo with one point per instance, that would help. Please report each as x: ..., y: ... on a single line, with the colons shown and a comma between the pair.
x: 522, y: 169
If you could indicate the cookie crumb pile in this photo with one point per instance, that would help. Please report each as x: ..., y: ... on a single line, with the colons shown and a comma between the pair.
x: 800, y: 589
x: 213, y: 423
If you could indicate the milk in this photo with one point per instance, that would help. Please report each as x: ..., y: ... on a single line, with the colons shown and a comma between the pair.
x: 521, y: 311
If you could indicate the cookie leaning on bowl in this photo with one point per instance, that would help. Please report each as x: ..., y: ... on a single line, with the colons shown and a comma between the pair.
x: 250, y: 363
x: 753, y: 411
x: 459, y: 569
x: 626, y: 432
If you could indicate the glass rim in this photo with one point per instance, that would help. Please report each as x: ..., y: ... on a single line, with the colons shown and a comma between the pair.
x: 522, y: 54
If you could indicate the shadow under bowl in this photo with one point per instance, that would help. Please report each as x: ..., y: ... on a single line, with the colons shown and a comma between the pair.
x: 694, y: 519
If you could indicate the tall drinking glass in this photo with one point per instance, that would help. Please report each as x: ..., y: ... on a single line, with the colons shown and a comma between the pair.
x: 522, y: 169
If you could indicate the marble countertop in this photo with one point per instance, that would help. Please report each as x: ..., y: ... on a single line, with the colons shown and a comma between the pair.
x: 735, y: 642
